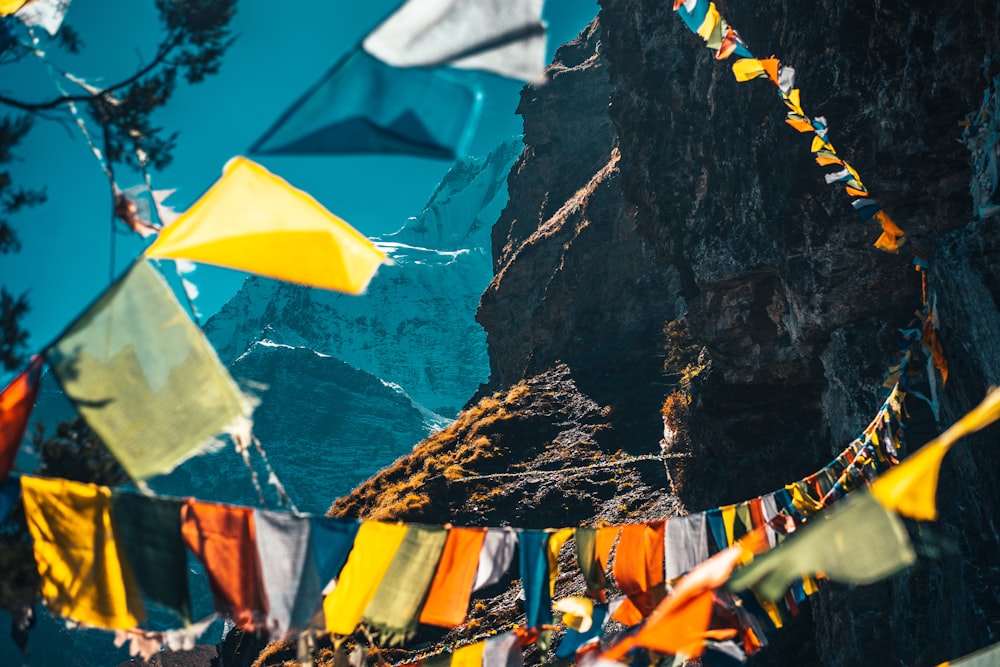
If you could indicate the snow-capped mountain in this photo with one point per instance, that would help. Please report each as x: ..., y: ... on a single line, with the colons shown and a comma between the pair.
x: 415, y: 325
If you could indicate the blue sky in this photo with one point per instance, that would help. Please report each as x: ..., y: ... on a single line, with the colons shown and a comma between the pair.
x: 65, y: 259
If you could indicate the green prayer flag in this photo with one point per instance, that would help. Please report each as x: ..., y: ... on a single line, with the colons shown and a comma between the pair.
x: 857, y: 542
x: 144, y: 377
x: 395, y: 608
x: 590, y: 566
x: 149, y: 530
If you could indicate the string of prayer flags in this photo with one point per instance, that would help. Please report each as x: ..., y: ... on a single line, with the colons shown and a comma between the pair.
x: 374, y: 548
x: 149, y: 529
x: 363, y: 105
x: 252, y: 220
x: 448, y: 598
x: 506, y: 38
x: 223, y: 539
x: 76, y: 549
x: 16, y: 403
x: 910, y: 488
x: 987, y: 657
x: 856, y: 542
x: 145, y: 378
x: 147, y: 643
x: 395, y: 608
x: 639, y: 570
x: 702, y: 18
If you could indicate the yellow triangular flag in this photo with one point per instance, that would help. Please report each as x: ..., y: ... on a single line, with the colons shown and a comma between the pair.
x: 909, y: 488
x: 252, y: 220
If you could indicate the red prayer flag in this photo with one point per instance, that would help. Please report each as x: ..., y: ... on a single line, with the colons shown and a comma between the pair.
x: 223, y: 539
x: 16, y: 403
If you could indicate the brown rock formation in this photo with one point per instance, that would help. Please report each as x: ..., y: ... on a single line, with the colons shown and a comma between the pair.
x: 669, y: 237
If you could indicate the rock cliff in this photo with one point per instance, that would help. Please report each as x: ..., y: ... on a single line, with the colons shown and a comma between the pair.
x: 670, y: 243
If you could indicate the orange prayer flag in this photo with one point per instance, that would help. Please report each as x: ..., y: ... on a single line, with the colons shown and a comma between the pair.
x: 933, y: 344
x: 888, y: 226
x: 605, y: 542
x: 448, y: 599
x: 854, y: 192
x: 770, y: 66
x: 16, y: 403
x: 800, y: 124
x: 825, y: 161
x: 639, y: 567
x: 223, y: 539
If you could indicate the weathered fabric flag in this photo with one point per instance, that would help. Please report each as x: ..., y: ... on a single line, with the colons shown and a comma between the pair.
x: 506, y: 37
x: 223, y: 538
x: 495, y: 557
x: 910, y: 488
x: 857, y: 542
x: 16, y: 404
x: 534, y: 558
x: 448, y: 599
x: 686, y: 544
x: 149, y: 530
x: 362, y: 105
x: 145, y: 377
x: 374, y: 548
x: 639, y: 570
x: 252, y: 220
x: 395, y: 607
x: 83, y: 576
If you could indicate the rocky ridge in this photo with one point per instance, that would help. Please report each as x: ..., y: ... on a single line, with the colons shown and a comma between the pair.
x: 670, y: 244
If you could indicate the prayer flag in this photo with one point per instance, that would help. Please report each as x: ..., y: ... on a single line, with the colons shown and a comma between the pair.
x: 224, y: 540
x: 362, y: 105
x: 686, y: 544
x: 577, y: 637
x: 332, y: 540
x: 289, y: 572
x: 503, y: 651
x: 48, y: 14
x: 507, y: 38
x: 374, y: 548
x: 16, y: 403
x: 83, y: 575
x: 395, y: 607
x: 639, y: 570
x: 448, y: 599
x: 987, y: 657
x: 857, y: 542
x: 910, y: 487
x: 593, y: 554
x: 8, y: 7
x: 495, y: 557
x: 149, y: 530
x: 252, y: 220
x: 145, y: 377
x: 535, y: 574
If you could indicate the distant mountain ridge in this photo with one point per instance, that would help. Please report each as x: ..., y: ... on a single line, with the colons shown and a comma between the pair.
x: 414, y: 326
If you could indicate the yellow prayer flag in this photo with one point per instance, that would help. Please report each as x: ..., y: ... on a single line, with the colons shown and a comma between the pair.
x: 909, y: 488
x: 746, y: 69
x: 819, y: 144
x: 469, y: 656
x: 374, y: 548
x: 83, y: 577
x: 556, y: 540
x: 253, y: 220
x: 712, y: 19
x: 729, y: 522
x: 578, y: 612
x: 8, y: 7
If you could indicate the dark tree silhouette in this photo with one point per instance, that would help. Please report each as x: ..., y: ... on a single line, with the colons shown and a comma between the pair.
x: 118, y: 118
